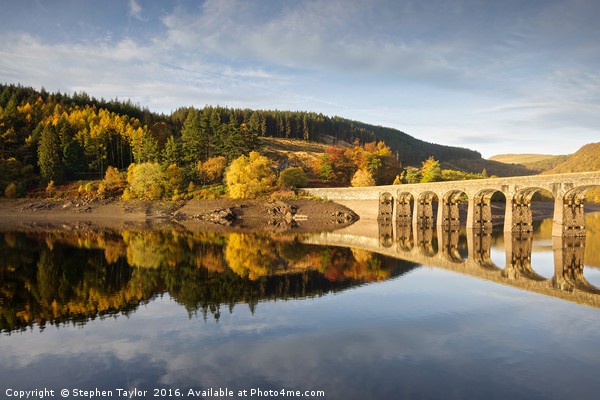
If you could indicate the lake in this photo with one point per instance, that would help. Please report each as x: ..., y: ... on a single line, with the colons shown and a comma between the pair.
x: 167, y: 313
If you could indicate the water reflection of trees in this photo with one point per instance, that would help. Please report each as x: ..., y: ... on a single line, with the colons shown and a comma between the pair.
x: 59, y: 277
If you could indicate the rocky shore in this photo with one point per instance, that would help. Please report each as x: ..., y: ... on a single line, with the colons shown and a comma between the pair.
x: 221, y: 214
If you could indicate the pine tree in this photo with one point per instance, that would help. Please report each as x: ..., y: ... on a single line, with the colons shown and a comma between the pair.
x: 305, y: 128
x: 191, y: 138
x: 216, y: 134
x: 234, y: 141
x: 49, y: 152
x: 172, y: 153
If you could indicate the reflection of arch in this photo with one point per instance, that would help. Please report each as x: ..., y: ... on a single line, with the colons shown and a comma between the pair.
x: 424, y: 241
x: 404, y: 237
x: 386, y: 205
x: 449, y: 206
x: 386, y: 233
x: 480, y: 246
x: 449, y: 245
x: 518, y: 248
x: 404, y: 207
x: 568, y: 265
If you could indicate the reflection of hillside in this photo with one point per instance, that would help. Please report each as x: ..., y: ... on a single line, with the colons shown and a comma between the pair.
x: 57, y: 277
x: 41, y: 284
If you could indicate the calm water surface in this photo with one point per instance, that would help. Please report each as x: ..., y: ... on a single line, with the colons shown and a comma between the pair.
x: 172, y: 309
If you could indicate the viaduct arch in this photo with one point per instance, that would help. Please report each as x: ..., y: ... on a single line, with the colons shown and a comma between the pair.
x: 413, y: 203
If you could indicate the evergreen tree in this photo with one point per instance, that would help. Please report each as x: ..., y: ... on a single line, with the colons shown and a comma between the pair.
x: 216, y: 134
x: 172, y: 153
x: 73, y: 158
x: 191, y: 138
x: 234, y: 141
x: 49, y: 151
x: 150, y: 151
x: 305, y: 128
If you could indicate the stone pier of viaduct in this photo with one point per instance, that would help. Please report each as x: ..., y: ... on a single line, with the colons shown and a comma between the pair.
x: 413, y: 204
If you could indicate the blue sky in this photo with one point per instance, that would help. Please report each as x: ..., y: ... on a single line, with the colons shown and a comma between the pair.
x: 496, y: 76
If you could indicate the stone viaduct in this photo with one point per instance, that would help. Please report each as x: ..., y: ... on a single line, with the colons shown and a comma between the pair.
x: 413, y: 204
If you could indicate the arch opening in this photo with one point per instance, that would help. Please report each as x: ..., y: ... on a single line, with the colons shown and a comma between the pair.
x: 386, y: 207
x: 488, y: 210
x: 453, y: 210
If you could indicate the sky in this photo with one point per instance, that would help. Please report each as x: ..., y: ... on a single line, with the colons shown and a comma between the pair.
x: 498, y: 77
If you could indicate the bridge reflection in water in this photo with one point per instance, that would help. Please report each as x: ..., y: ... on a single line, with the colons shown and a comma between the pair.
x: 441, y: 249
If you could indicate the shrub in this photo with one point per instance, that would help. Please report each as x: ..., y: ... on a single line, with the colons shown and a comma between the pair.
x: 249, y: 176
x: 293, y: 177
x: 212, y: 170
x: 112, y: 184
x: 146, y: 181
x: 50, y: 189
x: 11, y: 191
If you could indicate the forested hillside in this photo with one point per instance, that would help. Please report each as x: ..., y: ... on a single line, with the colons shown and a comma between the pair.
x: 53, y: 136
x: 587, y: 158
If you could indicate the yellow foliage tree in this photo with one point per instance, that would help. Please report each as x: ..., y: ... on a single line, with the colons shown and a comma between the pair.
x: 249, y: 176
x: 146, y: 181
x: 174, y: 180
x: 211, y: 171
x: 362, y: 178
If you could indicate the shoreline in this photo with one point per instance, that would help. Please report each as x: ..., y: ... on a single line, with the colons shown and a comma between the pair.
x: 225, y: 215
x: 300, y: 215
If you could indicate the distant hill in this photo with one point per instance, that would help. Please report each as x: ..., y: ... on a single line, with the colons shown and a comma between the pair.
x: 520, y: 158
x: 545, y: 164
x: 535, y: 163
x: 587, y: 158
x: 491, y: 167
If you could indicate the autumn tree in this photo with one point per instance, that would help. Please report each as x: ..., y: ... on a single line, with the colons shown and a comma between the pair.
x: 377, y: 159
x: 146, y: 181
x: 431, y: 171
x: 362, y: 178
x: 336, y: 166
x: 249, y: 176
x: 114, y: 182
x: 174, y: 180
x: 212, y: 170
x: 412, y: 176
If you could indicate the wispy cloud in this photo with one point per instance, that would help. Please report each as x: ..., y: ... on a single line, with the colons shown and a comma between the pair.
x: 135, y: 9
x: 447, y: 71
